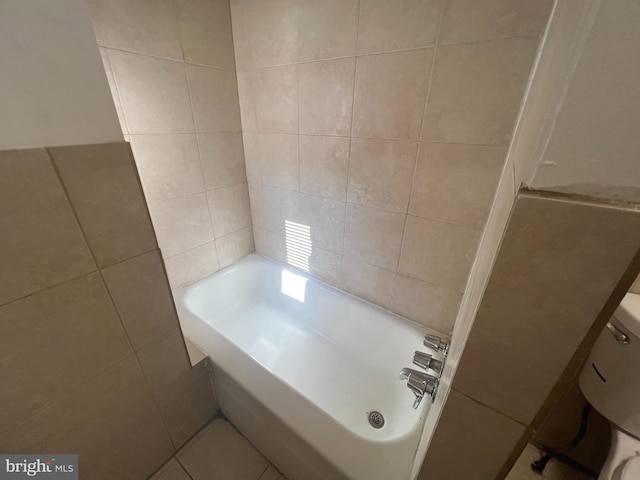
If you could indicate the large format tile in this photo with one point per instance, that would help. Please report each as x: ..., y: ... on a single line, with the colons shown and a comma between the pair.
x: 373, y: 236
x: 53, y: 341
x: 326, y: 96
x: 181, y: 223
x: 234, y: 246
x: 112, y: 423
x: 271, y: 474
x: 432, y: 306
x: 214, y: 99
x: 171, y: 470
x: 221, y: 452
x: 205, y: 32
x: 275, y: 161
x: 367, y: 281
x: 105, y: 193
x: 153, y: 92
x: 399, y: 25
x: 191, y: 265
x: 270, y: 244
x: 472, y: 21
x: 229, y: 209
x: 141, y: 294
x: 41, y: 243
x: 438, y: 253
x: 327, y: 29
x: 325, y: 219
x: 271, y: 208
x: 276, y: 99
x: 324, y: 165
x: 106, y: 63
x: 222, y: 159
x: 144, y: 26
x: 488, y: 79
x: 471, y: 441
x: 558, y: 263
x: 390, y: 93
x: 265, y: 33
x: 381, y: 173
x: 169, y: 165
x: 456, y: 183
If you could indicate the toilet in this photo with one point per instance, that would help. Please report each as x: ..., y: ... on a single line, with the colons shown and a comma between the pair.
x: 610, y: 380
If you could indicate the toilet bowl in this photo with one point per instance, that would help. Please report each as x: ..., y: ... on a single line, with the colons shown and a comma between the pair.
x: 610, y: 381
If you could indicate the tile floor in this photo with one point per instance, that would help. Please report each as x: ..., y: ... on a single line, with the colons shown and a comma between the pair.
x: 218, y: 452
x: 554, y: 471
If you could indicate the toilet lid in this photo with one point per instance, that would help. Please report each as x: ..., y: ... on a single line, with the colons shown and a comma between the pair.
x: 631, y: 469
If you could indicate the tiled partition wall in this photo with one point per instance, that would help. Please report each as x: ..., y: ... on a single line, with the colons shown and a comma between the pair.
x: 552, y: 289
x: 172, y: 75
x: 93, y: 360
x: 375, y: 133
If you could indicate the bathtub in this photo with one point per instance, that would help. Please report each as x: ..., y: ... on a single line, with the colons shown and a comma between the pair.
x: 299, y: 366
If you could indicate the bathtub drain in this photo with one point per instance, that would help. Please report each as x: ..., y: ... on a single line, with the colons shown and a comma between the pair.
x: 376, y: 420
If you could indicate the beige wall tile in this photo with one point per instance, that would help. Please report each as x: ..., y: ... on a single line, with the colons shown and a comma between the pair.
x: 167, y: 368
x: 106, y: 63
x: 53, y: 341
x: 390, y: 94
x: 276, y: 99
x: 141, y: 293
x: 472, y: 21
x: 325, y: 218
x: 214, y: 99
x: 326, y: 266
x: 222, y: 159
x: 438, y: 253
x: 251, y: 148
x: 229, y: 209
x: 181, y: 223
x: 471, y: 441
x: 187, y: 267
x: 205, y: 32
x: 456, y: 183
x: 388, y: 26
x: 271, y: 474
x: 367, y: 281
x: 41, y: 243
x: 381, y: 173
x: 191, y: 410
x: 105, y: 192
x: 247, y: 84
x: 488, y: 78
x: 373, y: 236
x: 542, y: 298
x: 111, y: 422
x: 277, y: 162
x: 272, y: 207
x: 327, y: 29
x: 144, y: 26
x: 221, y: 452
x: 154, y: 93
x: 270, y: 244
x: 234, y: 246
x: 635, y: 288
x: 169, y: 165
x: 324, y: 165
x: 326, y: 96
x: 265, y: 33
x: 432, y: 306
x: 171, y: 470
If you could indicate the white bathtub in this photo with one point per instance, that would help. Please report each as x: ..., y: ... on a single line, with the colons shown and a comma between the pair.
x: 299, y: 365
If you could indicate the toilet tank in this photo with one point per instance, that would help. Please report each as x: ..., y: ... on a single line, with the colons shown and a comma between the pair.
x: 610, y: 379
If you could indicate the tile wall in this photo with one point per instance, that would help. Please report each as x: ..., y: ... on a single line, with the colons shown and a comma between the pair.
x: 375, y: 133
x: 91, y: 345
x: 171, y: 69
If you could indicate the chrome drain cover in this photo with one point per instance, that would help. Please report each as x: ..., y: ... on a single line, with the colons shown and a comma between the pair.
x: 376, y: 420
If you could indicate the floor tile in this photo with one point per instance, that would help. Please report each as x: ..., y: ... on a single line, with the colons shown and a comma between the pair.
x: 221, y: 452
x: 271, y: 474
x: 171, y: 470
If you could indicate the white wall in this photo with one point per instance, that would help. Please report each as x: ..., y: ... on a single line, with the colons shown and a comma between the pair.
x: 584, y: 104
x: 53, y: 88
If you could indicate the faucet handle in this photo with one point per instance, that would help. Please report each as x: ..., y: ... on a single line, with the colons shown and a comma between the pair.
x: 435, y: 342
x: 427, y: 362
x: 420, y: 384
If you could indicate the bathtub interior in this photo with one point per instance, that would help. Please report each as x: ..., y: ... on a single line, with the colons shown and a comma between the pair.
x: 339, y: 352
